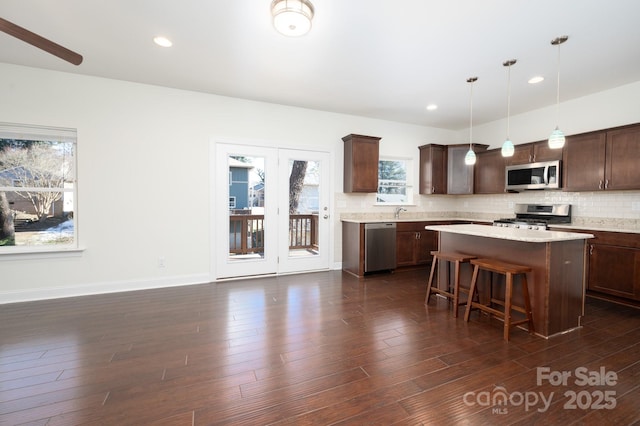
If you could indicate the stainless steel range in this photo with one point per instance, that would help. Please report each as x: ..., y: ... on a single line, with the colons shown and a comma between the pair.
x: 536, y: 216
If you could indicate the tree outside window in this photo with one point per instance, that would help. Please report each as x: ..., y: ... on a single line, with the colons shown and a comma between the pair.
x: 393, y: 186
x: 37, y: 188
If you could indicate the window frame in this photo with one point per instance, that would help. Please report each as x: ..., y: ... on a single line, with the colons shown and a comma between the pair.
x: 408, y: 182
x: 60, y: 135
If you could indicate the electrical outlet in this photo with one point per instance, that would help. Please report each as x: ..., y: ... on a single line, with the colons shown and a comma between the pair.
x: 161, y: 263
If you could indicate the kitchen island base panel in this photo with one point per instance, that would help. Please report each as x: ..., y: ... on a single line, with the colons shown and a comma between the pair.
x: 556, y: 280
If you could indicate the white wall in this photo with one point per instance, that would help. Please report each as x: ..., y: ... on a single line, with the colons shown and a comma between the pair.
x: 144, y: 172
x: 143, y: 189
x: 615, y: 107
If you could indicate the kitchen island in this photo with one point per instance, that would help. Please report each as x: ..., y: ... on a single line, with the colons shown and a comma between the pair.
x: 557, y: 259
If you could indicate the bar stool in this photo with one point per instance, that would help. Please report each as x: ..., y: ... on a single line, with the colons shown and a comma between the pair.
x: 454, y: 295
x: 509, y: 270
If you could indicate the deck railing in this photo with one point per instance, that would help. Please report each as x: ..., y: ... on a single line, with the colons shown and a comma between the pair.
x: 246, y: 233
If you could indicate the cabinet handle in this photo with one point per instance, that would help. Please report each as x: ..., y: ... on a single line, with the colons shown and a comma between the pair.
x: 530, y: 158
x: 591, y: 250
x: 417, y: 235
x: 606, y: 184
x: 600, y: 185
x: 433, y: 189
x: 534, y: 158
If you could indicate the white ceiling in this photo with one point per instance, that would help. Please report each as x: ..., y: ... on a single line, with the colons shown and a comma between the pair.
x: 374, y: 58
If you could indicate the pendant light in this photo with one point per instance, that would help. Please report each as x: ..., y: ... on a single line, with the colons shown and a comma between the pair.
x: 507, y: 147
x: 470, y: 158
x: 556, y: 140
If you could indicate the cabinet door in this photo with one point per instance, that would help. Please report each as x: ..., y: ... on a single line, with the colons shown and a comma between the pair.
x: 459, y: 174
x: 433, y: 169
x: 614, y: 270
x: 427, y: 242
x: 623, y: 152
x: 583, y: 162
x: 542, y: 152
x: 361, y: 163
x: 489, y: 172
x: 405, y: 248
x: 522, y: 154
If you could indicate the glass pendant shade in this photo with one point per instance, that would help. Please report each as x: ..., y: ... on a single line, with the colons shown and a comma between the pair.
x: 556, y: 140
x: 292, y: 17
x: 507, y: 148
x: 470, y: 158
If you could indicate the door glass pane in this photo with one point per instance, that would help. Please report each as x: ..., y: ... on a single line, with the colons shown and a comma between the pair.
x: 246, y: 207
x: 304, y: 190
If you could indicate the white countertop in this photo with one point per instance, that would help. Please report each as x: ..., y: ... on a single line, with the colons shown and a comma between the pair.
x: 514, y: 234
x: 413, y: 219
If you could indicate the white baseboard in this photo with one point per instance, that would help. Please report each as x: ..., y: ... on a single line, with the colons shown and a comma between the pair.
x: 100, y: 288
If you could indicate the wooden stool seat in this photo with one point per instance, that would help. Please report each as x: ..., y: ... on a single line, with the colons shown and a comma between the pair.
x: 451, y: 293
x: 509, y: 270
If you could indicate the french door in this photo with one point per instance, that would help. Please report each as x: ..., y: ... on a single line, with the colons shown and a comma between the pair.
x: 271, y: 210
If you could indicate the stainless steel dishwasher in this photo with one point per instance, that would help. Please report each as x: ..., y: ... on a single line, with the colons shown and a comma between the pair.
x: 380, y: 246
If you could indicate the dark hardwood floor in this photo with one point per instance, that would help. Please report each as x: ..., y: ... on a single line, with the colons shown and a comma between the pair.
x: 322, y: 348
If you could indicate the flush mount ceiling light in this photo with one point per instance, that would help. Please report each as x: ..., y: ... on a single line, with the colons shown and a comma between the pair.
x: 556, y: 140
x: 507, y: 146
x: 432, y: 107
x: 292, y: 17
x: 470, y: 158
x: 162, y: 41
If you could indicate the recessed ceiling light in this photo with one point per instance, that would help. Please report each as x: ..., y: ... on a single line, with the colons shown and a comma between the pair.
x: 432, y: 107
x: 162, y: 41
x: 536, y: 79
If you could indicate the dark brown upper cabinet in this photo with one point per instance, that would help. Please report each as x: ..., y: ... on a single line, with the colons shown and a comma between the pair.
x: 603, y: 160
x: 361, y: 156
x: 433, y: 169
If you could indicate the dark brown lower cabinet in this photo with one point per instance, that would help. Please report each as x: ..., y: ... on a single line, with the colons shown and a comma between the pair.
x: 614, y: 270
x: 613, y: 265
x: 414, y: 244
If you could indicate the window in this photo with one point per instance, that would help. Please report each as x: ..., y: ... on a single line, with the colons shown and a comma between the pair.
x: 37, y: 188
x: 394, y: 186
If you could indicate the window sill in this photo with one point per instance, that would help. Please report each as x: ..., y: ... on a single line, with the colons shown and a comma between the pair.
x: 32, y: 253
x: 394, y: 205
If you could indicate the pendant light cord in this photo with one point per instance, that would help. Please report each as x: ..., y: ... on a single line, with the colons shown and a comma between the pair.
x: 508, y: 98
x: 471, y: 114
x: 558, y: 89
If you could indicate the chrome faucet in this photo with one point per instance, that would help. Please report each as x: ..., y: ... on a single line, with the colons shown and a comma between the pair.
x: 398, y: 210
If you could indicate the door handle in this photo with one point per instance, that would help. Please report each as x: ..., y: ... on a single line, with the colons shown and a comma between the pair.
x: 546, y: 175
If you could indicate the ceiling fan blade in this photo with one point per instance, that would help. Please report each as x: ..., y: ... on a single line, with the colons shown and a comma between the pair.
x: 40, y: 42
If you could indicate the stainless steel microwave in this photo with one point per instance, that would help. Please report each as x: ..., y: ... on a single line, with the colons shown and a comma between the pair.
x: 544, y: 175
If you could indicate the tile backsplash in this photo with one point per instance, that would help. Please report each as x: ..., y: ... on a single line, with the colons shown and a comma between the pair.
x: 618, y: 209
